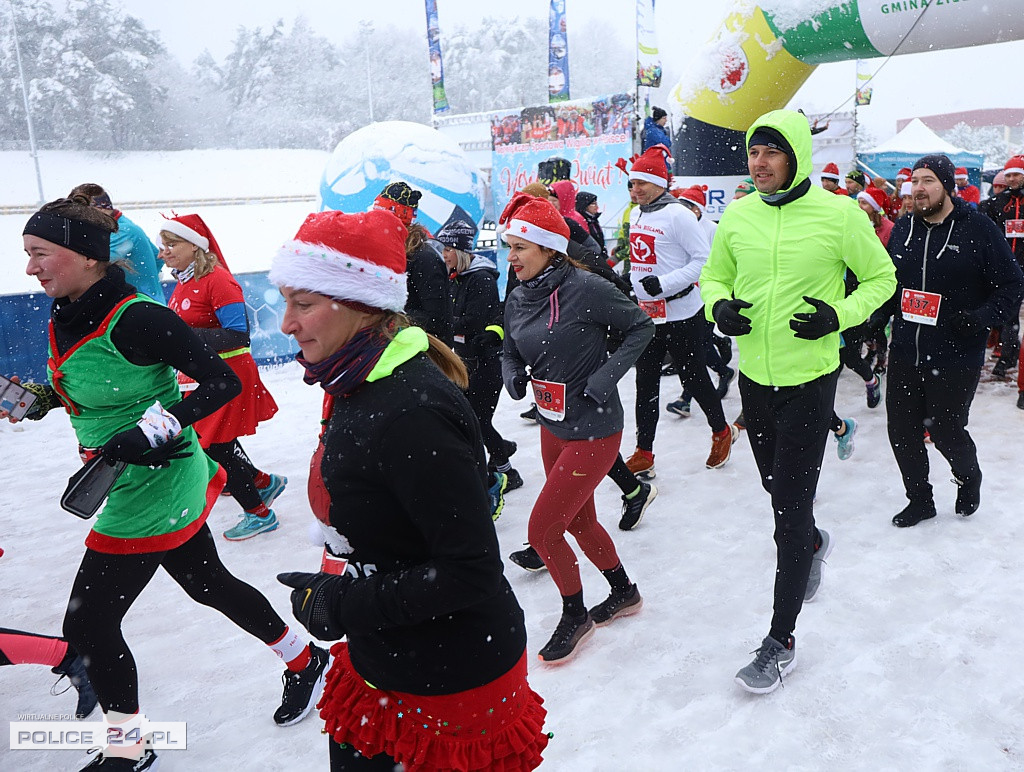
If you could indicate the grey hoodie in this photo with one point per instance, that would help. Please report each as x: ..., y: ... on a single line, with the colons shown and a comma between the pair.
x: 558, y: 329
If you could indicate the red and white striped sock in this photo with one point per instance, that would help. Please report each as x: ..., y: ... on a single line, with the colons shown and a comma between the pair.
x: 292, y: 649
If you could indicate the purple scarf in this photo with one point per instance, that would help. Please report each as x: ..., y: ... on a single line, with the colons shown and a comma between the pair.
x: 345, y: 370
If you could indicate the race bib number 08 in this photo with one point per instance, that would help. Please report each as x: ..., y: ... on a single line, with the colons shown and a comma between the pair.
x: 920, y: 306
x: 550, y: 399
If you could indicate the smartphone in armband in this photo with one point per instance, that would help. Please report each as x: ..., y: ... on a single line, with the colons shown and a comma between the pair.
x: 89, y: 486
x: 14, y: 399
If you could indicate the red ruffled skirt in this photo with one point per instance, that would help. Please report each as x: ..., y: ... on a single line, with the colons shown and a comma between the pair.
x: 241, y: 416
x: 497, y: 727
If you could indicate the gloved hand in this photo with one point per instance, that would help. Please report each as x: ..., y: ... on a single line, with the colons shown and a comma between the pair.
x: 132, y: 446
x: 487, y: 339
x: 46, y: 399
x: 965, y: 324
x: 727, y: 316
x: 815, y: 324
x: 651, y: 285
x: 313, y: 601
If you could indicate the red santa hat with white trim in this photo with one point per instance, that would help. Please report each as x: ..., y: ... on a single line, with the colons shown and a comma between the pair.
x: 875, y: 197
x: 358, y: 258
x: 961, y: 173
x: 535, y: 220
x: 653, y: 166
x: 830, y: 172
x: 903, y: 174
x: 694, y: 194
x: 1015, y: 165
x: 194, y: 230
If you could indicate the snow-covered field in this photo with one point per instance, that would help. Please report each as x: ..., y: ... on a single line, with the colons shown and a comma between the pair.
x: 909, y: 659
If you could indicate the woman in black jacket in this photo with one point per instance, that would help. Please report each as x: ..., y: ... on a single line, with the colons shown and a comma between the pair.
x: 433, y: 673
x: 478, y: 335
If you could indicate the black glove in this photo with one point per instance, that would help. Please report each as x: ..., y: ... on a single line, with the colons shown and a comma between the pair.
x: 965, y: 324
x: 485, y: 340
x: 815, y: 324
x: 727, y: 316
x: 313, y: 601
x: 132, y: 447
x: 651, y: 285
x: 46, y: 400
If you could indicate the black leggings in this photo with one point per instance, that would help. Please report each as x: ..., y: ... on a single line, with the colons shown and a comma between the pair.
x: 485, y: 386
x: 108, y: 584
x: 686, y: 341
x: 345, y: 757
x: 241, y: 473
x: 788, y: 428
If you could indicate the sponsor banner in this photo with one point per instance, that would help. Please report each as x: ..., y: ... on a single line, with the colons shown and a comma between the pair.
x: 436, y: 63
x: 558, y: 53
x: 718, y: 191
x: 648, y: 61
x: 864, y: 76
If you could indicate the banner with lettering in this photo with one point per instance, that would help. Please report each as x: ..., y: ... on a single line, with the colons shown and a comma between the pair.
x: 648, y: 62
x: 436, y: 64
x: 558, y: 54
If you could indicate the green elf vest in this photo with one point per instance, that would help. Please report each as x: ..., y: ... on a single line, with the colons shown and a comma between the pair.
x: 148, y: 510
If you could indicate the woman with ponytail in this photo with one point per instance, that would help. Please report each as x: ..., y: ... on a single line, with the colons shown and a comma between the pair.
x: 433, y: 672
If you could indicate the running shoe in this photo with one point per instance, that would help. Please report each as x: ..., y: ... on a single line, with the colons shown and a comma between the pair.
x: 251, y: 525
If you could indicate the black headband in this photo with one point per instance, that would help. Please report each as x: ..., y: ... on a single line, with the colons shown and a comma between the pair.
x: 86, y: 239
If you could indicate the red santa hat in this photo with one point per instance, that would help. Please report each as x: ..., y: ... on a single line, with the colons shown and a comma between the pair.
x: 694, y: 194
x: 354, y: 257
x: 830, y: 172
x: 961, y: 173
x: 535, y: 220
x: 903, y: 174
x: 1015, y: 165
x: 874, y: 196
x: 192, y: 229
x: 652, y: 166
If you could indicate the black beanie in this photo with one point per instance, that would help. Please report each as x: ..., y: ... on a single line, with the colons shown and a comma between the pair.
x: 766, y: 135
x: 657, y: 113
x: 584, y: 199
x: 942, y: 167
x: 458, y: 234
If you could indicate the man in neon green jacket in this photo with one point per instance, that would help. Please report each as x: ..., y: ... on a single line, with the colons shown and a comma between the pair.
x: 774, y: 279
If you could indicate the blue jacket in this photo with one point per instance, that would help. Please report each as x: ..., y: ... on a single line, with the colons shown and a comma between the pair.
x: 653, y: 134
x: 132, y: 247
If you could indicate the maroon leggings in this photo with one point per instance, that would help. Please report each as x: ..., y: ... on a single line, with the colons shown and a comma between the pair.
x: 566, y: 503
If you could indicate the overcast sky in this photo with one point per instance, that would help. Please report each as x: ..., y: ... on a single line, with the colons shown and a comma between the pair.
x: 918, y: 84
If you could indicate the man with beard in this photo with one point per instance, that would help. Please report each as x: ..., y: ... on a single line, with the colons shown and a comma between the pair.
x: 956, y: 278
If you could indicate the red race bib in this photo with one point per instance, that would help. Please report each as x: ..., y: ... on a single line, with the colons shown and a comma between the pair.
x: 641, y: 249
x: 920, y: 306
x: 1015, y: 229
x: 550, y: 399
x: 186, y: 384
x: 654, y: 309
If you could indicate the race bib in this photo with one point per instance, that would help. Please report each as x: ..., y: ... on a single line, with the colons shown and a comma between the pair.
x: 641, y: 249
x: 550, y: 399
x: 186, y: 384
x: 460, y: 338
x: 1015, y: 229
x: 920, y: 306
x: 654, y: 309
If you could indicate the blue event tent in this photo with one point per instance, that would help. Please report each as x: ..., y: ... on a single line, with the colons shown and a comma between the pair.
x: 914, y: 141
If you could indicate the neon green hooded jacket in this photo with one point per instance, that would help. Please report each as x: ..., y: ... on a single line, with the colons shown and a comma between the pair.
x: 771, y: 256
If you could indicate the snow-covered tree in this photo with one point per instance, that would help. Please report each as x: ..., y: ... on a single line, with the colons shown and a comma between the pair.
x: 983, y: 139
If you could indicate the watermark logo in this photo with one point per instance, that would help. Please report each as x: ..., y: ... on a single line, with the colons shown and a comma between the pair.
x: 84, y: 735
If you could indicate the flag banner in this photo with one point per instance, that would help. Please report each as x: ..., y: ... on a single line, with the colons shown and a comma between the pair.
x: 558, y: 54
x: 863, y: 78
x: 648, y: 62
x: 436, y: 64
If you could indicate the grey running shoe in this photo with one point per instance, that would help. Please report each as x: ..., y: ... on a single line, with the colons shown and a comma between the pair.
x: 820, y: 556
x: 617, y: 604
x: 772, y: 661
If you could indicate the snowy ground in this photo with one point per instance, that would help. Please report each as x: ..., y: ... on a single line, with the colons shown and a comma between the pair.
x: 909, y: 658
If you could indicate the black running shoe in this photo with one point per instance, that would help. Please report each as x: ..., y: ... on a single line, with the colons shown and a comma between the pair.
x: 633, y: 509
x: 103, y: 763
x: 530, y: 415
x: 569, y: 633
x: 302, y: 689
x: 73, y: 667
x: 914, y: 513
x: 515, y: 480
x: 528, y: 559
x: 618, y: 604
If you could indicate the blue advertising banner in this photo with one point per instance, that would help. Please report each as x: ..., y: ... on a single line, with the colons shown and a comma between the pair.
x: 590, y: 134
x: 436, y: 63
x: 558, y: 54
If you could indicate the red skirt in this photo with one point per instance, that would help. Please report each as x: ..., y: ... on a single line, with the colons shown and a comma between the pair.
x: 496, y: 727
x: 242, y: 415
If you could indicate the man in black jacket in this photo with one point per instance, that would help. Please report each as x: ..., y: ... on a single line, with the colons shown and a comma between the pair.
x: 1006, y: 209
x: 956, y: 278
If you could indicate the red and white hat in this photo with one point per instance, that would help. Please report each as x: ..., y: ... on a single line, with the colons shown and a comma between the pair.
x: 694, y: 194
x: 194, y: 230
x: 1015, y: 165
x: 354, y: 257
x: 961, y: 173
x: 830, y: 172
x: 535, y: 220
x: 874, y: 196
x: 653, y: 166
x: 903, y: 174
x: 906, y: 189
